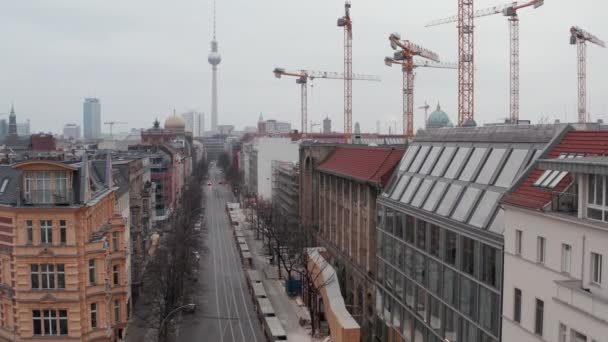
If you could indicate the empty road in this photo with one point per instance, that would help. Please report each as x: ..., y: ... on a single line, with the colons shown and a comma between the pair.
x: 225, y: 310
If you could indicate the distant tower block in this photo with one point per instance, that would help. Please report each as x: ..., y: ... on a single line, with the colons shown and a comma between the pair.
x: 214, y: 59
x: 327, y: 125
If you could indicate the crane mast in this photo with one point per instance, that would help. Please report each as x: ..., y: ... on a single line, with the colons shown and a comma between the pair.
x: 465, y: 28
x: 580, y: 37
x: 346, y: 22
x: 466, y: 62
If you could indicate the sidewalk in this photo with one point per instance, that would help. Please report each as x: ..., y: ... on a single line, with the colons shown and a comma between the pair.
x: 286, y: 309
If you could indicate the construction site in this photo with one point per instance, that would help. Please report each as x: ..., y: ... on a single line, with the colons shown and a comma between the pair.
x: 412, y: 56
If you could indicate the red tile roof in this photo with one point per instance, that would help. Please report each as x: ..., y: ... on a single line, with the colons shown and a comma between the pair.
x: 368, y: 164
x: 588, y: 143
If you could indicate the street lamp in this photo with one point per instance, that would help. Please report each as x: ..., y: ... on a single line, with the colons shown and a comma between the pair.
x: 190, y: 307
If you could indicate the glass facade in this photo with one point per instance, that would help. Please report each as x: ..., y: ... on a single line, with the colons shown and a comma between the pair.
x: 435, y: 283
x: 439, y: 259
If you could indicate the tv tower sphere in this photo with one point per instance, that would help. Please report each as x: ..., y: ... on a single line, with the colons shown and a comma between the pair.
x: 214, y: 57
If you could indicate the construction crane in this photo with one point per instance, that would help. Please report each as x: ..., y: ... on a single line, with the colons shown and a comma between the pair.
x: 510, y: 11
x: 405, y: 57
x: 426, y: 112
x: 112, y: 123
x: 302, y: 78
x: 580, y: 37
x: 313, y: 125
x: 347, y: 23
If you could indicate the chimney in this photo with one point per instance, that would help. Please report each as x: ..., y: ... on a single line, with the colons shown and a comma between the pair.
x: 85, y: 187
x: 108, y: 179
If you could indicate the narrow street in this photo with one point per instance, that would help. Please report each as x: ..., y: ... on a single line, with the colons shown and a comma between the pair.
x: 225, y: 310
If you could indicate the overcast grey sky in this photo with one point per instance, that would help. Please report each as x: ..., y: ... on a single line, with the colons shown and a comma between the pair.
x: 143, y: 58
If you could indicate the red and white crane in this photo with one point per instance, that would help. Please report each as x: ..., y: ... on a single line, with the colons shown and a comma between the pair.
x: 347, y: 23
x: 405, y: 57
x: 580, y: 37
x: 302, y: 78
x: 508, y: 10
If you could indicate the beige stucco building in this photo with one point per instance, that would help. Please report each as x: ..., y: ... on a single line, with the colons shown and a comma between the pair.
x: 63, y: 254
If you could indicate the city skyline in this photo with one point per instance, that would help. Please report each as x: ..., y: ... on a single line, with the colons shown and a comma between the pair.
x: 165, y: 60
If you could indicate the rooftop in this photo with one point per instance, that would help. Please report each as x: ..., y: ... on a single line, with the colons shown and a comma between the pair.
x: 366, y: 164
x: 577, y: 151
x: 459, y: 175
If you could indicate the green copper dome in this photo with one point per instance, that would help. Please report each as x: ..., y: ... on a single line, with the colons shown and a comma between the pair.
x: 439, y: 119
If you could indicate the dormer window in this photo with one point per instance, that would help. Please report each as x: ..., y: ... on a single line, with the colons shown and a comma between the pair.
x: 46, y: 187
x: 597, y: 208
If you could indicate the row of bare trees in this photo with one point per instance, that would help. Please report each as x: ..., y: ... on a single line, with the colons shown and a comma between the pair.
x: 287, y: 245
x: 176, y: 259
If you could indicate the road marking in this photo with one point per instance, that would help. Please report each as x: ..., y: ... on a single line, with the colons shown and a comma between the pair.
x: 217, y: 298
x: 238, y: 267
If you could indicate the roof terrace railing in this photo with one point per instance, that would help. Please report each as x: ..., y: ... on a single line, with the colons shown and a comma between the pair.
x: 48, y: 197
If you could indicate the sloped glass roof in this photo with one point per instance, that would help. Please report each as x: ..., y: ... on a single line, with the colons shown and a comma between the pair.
x: 461, y: 181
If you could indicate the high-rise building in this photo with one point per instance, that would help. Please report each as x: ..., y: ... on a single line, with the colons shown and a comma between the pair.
x: 91, y: 118
x: 12, y: 122
x: 194, y: 123
x: 214, y: 59
x: 71, y: 131
x: 3, y: 128
x: 327, y: 125
x: 23, y: 128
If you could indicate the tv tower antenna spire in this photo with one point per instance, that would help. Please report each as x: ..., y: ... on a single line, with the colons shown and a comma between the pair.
x: 214, y: 59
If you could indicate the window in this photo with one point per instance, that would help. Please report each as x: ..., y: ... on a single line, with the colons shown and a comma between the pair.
x: 50, y: 322
x: 450, y: 286
x: 117, y: 311
x: 48, y: 276
x: 115, y: 273
x: 596, y: 268
x: 435, y: 246
x: 450, y: 247
x: 540, y: 249
x: 93, y: 315
x: 489, y: 265
x: 517, y: 306
x: 468, y: 255
x: 577, y: 337
x: 409, y: 229
x: 61, y: 184
x: 518, y: 239
x: 468, y: 295
x: 37, y: 322
x: 421, y: 234
x: 46, y: 232
x: 29, y: 185
x: 43, y: 187
x: 35, y: 276
x: 596, y: 201
x: 115, y: 241
x: 92, y: 271
x: 63, y: 322
x: 538, y: 318
x: 566, y: 257
x: 562, y: 335
x: 62, y: 232
x: 60, y: 276
x: 29, y: 227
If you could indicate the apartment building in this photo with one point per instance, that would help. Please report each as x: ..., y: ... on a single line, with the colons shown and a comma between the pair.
x: 350, y: 179
x: 439, y: 232
x: 556, y: 245
x: 63, y: 254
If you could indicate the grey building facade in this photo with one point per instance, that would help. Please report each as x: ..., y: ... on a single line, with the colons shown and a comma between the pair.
x: 439, y: 233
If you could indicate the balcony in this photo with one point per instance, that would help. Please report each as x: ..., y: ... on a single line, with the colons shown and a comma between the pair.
x: 571, y: 293
x: 48, y: 197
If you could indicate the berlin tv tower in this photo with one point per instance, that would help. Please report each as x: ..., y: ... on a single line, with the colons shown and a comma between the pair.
x: 214, y: 59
